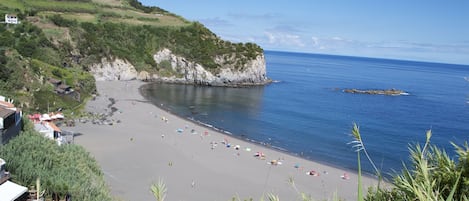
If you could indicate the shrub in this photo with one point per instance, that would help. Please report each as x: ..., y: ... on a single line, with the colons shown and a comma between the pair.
x: 61, y: 169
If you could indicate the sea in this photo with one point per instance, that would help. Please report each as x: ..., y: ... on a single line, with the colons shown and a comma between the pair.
x: 306, y: 113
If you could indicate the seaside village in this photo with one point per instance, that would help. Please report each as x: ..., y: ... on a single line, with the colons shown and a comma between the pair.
x: 11, y: 124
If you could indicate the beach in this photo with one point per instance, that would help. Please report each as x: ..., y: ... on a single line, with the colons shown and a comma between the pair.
x: 146, y: 144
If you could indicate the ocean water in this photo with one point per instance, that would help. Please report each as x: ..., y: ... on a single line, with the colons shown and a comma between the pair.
x: 307, y: 114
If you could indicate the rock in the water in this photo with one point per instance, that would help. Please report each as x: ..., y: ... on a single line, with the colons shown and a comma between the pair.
x: 389, y: 92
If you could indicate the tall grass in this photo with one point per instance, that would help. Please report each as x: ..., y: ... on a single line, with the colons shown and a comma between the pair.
x: 62, y: 6
x: 61, y: 169
x: 359, y: 145
x: 432, y: 176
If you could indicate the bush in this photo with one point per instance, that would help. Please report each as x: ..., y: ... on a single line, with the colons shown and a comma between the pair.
x: 62, y: 22
x: 61, y: 169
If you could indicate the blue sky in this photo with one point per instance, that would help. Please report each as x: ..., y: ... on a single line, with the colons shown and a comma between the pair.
x: 422, y: 30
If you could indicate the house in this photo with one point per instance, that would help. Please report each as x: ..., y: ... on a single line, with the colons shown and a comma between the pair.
x: 45, y: 125
x: 60, y: 87
x: 10, y: 120
x: 10, y: 191
x: 63, y: 89
x: 50, y: 130
x: 11, y: 19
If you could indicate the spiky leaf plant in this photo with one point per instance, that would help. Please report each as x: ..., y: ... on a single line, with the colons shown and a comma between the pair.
x: 159, y: 190
x: 433, y: 176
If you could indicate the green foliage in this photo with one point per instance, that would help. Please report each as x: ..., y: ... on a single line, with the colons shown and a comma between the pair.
x: 27, y: 59
x: 85, y: 6
x: 26, y: 39
x: 433, y: 176
x: 61, y: 169
x: 137, y: 43
x: 147, y: 9
x: 62, y: 22
x: 159, y: 190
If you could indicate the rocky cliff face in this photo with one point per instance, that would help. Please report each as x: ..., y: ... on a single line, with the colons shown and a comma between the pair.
x: 187, y: 72
x: 117, y: 69
x: 252, y: 73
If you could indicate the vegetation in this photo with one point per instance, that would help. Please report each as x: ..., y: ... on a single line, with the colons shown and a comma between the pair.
x: 434, y: 176
x: 137, y: 43
x: 159, y: 190
x: 27, y: 60
x: 62, y: 170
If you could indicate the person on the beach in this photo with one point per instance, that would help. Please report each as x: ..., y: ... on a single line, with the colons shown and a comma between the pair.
x: 345, y: 176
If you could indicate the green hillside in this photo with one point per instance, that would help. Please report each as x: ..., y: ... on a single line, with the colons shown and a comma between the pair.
x: 59, y: 40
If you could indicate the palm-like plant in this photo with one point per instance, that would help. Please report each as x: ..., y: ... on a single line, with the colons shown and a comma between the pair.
x: 434, y: 176
x: 159, y: 190
x: 360, y: 146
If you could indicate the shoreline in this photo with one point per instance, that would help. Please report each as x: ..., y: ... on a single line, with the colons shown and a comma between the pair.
x: 248, y: 140
x: 194, y: 160
x: 258, y: 143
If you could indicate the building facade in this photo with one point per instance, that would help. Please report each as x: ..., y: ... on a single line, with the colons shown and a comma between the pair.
x: 11, y: 19
x: 11, y: 121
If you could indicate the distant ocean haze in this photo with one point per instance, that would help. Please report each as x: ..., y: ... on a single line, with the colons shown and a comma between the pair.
x: 308, y: 114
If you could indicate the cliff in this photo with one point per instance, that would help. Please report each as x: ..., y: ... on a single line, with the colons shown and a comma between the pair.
x: 253, y: 72
x: 81, y: 41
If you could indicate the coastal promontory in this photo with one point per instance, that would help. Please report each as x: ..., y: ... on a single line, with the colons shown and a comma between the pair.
x: 78, y: 42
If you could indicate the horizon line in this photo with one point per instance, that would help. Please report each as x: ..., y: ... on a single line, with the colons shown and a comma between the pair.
x: 369, y: 57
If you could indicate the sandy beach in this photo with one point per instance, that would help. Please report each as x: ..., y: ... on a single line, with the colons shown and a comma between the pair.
x: 146, y: 143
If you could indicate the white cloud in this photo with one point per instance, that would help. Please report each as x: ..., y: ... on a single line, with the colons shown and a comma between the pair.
x: 280, y: 39
x: 451, y: 53
x: 337, y: 38
x: 249, y: 16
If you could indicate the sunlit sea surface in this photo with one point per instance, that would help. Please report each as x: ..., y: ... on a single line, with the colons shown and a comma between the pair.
x: 307, y: 113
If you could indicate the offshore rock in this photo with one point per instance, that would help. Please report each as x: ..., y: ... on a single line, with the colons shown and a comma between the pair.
x: 389, y: 92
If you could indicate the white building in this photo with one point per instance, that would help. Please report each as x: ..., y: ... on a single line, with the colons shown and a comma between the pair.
x: 50, y: 130
x: 11, y: 19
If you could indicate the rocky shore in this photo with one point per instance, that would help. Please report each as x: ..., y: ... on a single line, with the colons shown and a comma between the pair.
x: 230, y: 74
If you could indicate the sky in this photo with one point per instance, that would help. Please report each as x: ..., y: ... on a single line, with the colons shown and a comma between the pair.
x: 420, y: 30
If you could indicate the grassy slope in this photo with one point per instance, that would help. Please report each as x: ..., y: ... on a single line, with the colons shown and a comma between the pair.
x: 104, y: 10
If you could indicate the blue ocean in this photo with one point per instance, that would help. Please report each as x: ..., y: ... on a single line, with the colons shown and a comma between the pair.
x: 307, y: 114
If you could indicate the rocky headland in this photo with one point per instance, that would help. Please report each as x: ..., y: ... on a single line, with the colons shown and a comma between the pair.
x: 252, y: 72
